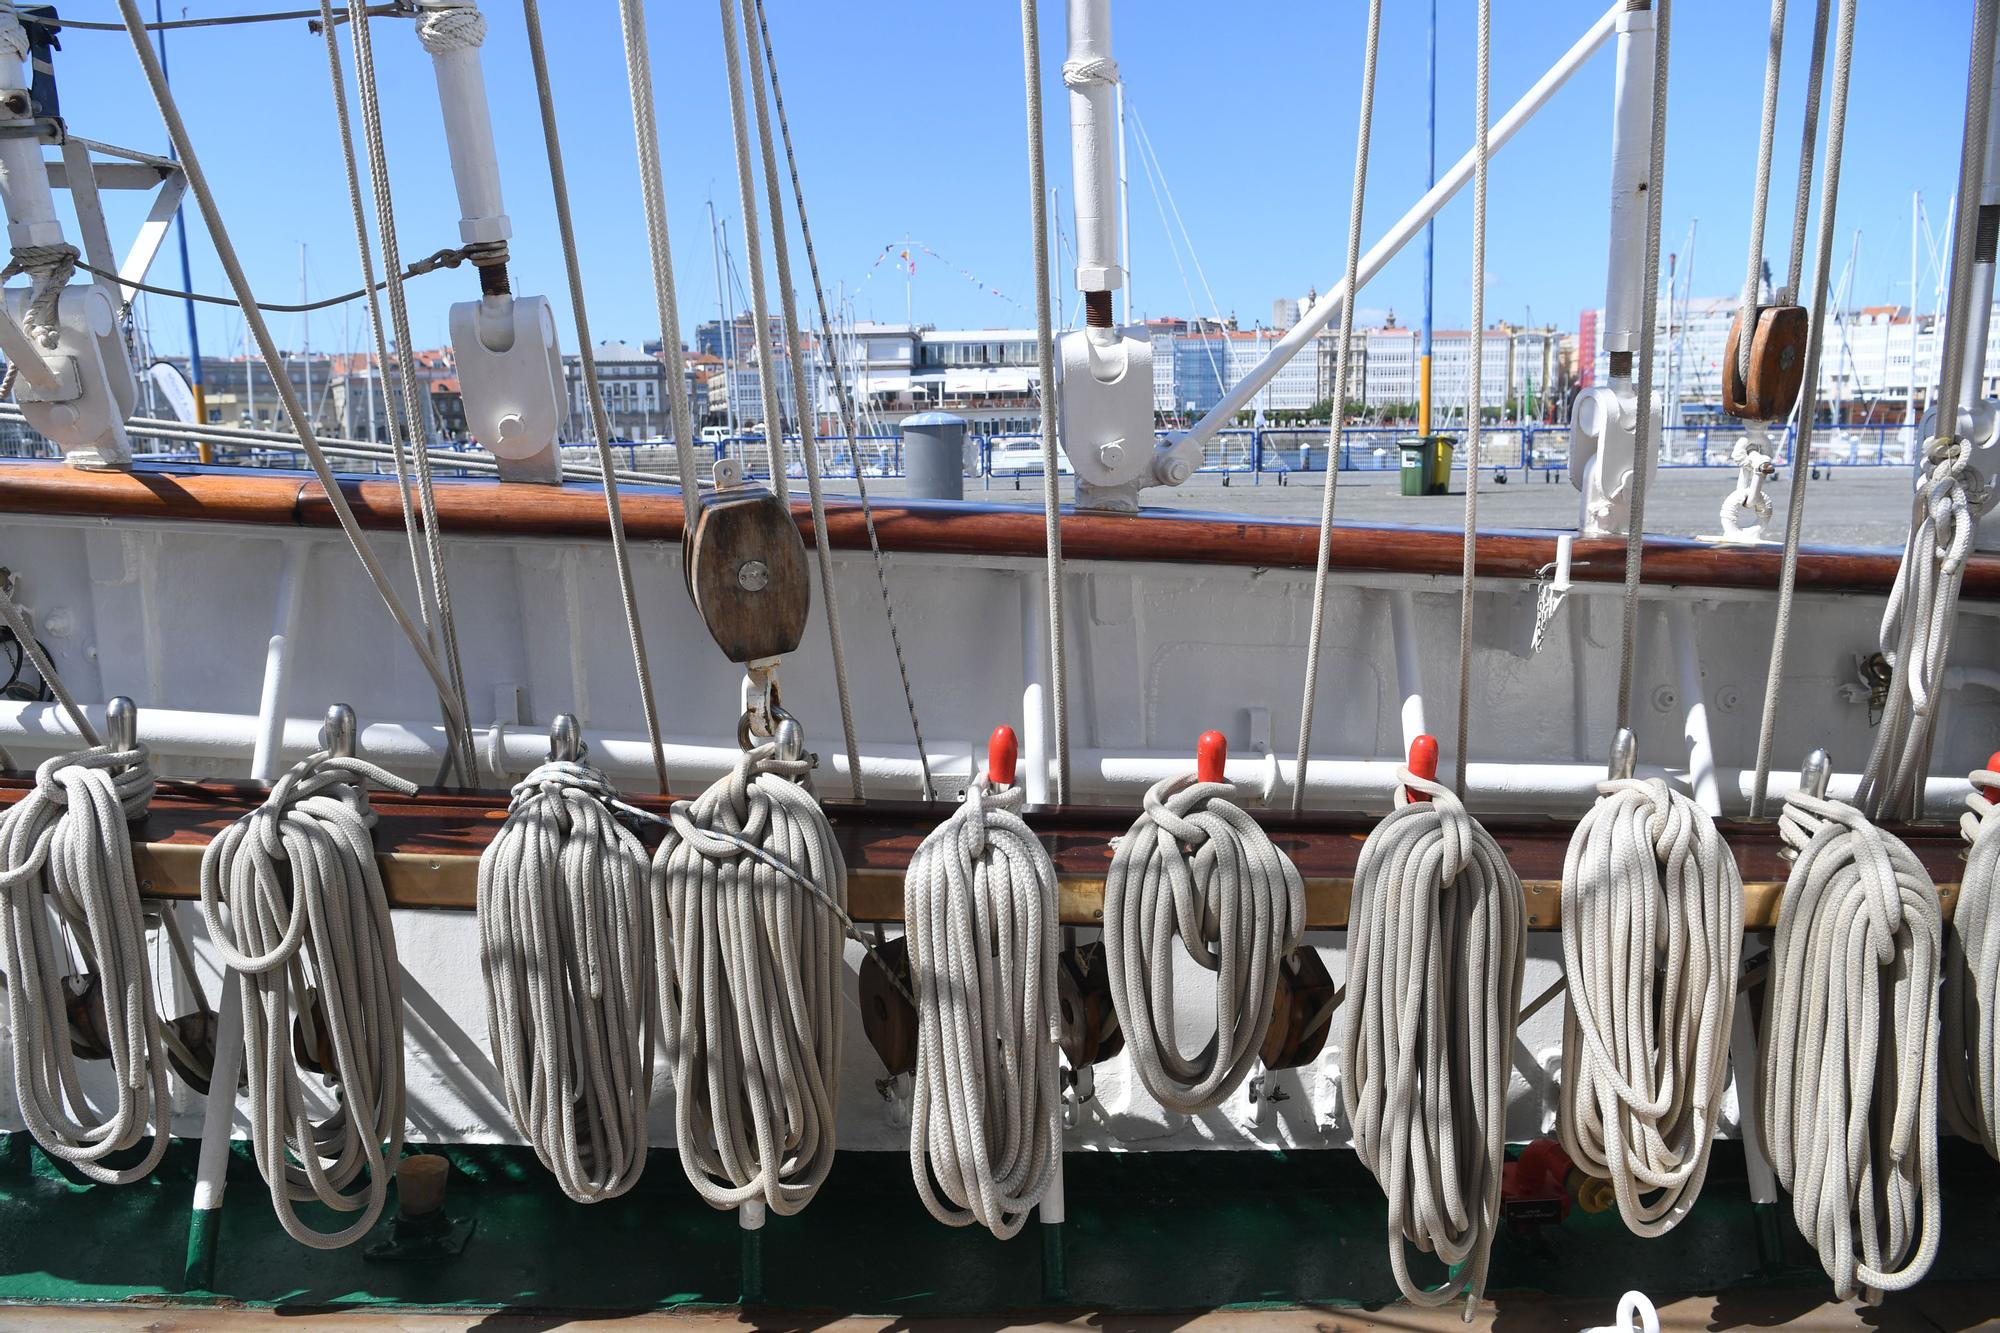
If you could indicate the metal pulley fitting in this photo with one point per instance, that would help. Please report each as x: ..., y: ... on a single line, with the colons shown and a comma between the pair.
x: 1301, y: 1011
x: 1777, y: 364
x: 1090, y: 1032
x: 887, y: 1016
x: 746, y: 570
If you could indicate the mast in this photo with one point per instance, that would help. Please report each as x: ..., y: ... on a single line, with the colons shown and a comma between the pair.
x: 306, y: 349
x: 1910, y: 389
x: 204, y: 452
x: 724, y: 326
x: 1430, y: 230
x: 1124, y: 204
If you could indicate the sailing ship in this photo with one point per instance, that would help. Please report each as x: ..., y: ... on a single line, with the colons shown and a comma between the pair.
x: 561, y: 863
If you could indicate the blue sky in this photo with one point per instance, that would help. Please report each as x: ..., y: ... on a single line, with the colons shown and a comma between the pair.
x: 909, y: 121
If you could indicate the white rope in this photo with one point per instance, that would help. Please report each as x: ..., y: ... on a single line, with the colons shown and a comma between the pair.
x: 753, y: 257
x: 1795, y: 507
x: 980, y: 913
x: 653, y: 195
x: 565, y: 937
x: 1194, y: 868
x: 755, y: 889
x: 1753, y: 468
x: 461, y: 28
x: 788, y: 307
x: 846, y: 402
x: 621, y: 558
x: 65, y: 851
x: 1338, y: 430
x: 1436, y: 945
x: 1971, y: 1064
x: 1652, y: 932
x: 418, y: 574
x: 1475, y: 412
x: 1850, y: 1100
x: 308, y: 928
x: 445, y: 627
x: 253, y: 317
x: 1045, y: 342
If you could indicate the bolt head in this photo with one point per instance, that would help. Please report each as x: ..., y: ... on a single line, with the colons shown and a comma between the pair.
x: 753, y: 576
x: 1179, y: 471
x: 511, y: 427
x: 1112, y: 454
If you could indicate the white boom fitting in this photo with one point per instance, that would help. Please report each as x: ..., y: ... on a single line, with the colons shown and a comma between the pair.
x: 72, y: 377
x: 509, y: 364
x: 1604, y: 451
x: 1105, y: 412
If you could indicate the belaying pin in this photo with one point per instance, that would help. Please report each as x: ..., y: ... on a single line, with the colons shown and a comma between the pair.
x: 1423, y: 763
x: 1211, y: 754
x: 566, y: 740
x: 337, y: 736
x: 1992, y: 763
x: 1003, y: 756
x: 1814, y: 774
x: 121, y: 724
x: 1624, y: 755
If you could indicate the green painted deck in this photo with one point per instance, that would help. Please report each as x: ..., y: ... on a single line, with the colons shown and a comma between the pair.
x: 1147, y: 1232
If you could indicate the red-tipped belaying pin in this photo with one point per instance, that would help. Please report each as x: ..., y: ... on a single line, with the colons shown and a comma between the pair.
x: 1003, y: 751
x: 1423, y: 763
x: 1992, y: 793
x: 1211, y: 752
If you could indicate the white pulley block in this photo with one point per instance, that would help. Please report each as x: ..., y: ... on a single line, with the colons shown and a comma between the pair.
x: 1603, y: 449
x: 511, y: 374
x: 1105, y: 415
x: 85, y: 413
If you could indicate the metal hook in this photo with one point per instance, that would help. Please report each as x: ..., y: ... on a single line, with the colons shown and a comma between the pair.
x: 1815, y: 773
x: 121, y: 724
x: 337, y: 736
x: 1624, y: 755
x: 566, y: 740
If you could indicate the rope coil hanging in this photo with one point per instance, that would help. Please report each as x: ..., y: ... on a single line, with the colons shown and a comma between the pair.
x: 65, y: 845
x: 755, y: 889
x: 1652, y: 929
x: 308, y: 928
x: 980, y: 913
x: 1436, y: 947
x: 1194, y: 868
x: 565, y: 937
x: 1850, y: 1090
x: 1972, y: 973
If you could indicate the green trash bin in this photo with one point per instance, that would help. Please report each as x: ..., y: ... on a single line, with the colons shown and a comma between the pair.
x: 1416, y: 465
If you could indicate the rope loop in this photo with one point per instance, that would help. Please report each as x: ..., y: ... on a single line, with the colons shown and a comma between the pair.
x: 754, y: 886
x: 308, y: 929
x: 1652, y: 928
x: 1854, y: 969
x: 460, y: 28
x: 1972, y: 977
x: 566, y: 937
x: 1195, y: 868
x: 981, y: 920
x: 66, y: 846
x: 1085, y: 73
x: 1436, y: 947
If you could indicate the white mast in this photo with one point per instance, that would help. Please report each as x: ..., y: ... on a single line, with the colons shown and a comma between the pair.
x: 1124, y: 207
x: 1910, y: 389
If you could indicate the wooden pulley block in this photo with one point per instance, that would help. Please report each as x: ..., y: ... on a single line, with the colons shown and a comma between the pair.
x: 89, y: 1030
x: 887, y: 1016
x: 316, y: 1054
x: 746, y: 570
x: 1090, y: 1032
x: 195, y: 1033
x: 1777, y: 364
x: 1301, y: 1012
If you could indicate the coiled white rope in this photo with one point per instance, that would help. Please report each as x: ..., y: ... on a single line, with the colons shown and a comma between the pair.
x: 1436, y: 946
x: 1850, y: 1100
x: 1652, y: 932
x: 65, y: 846
x: 1195, y: 868
x: 459, y: 28
x: 755, y: 890
x: 1972, y: 977
x: 566, y: 937
x: 980, y: 910
x: 308, y: 928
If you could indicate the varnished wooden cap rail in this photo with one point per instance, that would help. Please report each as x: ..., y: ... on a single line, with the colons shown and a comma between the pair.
x: 429, y: 847
x: 490, y: 508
